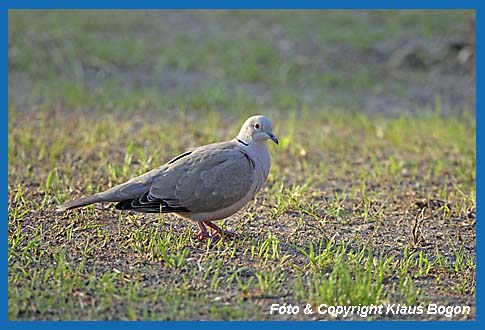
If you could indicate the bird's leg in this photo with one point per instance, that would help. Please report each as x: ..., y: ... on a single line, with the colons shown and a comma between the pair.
x: 202, y: 234
x: 219, y: 230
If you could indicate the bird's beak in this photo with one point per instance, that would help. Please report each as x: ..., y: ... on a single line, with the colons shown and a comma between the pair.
x: 273, y: 137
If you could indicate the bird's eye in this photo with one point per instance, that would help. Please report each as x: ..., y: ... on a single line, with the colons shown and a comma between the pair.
x: 257, y: 126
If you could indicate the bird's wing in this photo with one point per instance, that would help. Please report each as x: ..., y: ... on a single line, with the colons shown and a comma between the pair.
x: 205, y: 179
x: 208, y: 179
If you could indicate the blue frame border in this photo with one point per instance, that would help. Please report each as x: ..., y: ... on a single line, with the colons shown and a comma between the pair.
x: 238, y: 4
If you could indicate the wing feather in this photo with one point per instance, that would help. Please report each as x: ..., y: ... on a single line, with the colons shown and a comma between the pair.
x: 207, y: 180
x: 203, y: 180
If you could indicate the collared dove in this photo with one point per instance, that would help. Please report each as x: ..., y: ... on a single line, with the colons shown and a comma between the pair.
x: 208, y: 183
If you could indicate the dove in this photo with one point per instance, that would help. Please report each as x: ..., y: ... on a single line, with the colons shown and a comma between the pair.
x: 205, y: 184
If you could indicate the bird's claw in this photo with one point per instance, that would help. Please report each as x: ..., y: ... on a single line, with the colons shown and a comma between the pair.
x: 203, y: 236
x: 217, y: 232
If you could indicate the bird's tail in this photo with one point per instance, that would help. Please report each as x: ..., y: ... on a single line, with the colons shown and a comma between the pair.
x: 79, y: 202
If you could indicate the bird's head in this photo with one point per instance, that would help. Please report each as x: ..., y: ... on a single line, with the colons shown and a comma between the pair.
x: 257, y: 128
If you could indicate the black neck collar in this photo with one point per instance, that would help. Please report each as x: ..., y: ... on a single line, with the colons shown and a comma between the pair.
x: 242, y: 142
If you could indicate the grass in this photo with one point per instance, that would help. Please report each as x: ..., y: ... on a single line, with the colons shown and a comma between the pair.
x: 359, y: 207
x: 319, y: 233
x: 148, y: 59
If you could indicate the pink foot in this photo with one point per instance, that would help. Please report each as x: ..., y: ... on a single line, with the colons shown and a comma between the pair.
x: 219, y: 231
x: 202, y: 234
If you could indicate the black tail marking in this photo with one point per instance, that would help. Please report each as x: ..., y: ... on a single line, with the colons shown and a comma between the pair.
x: 148, y: 204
